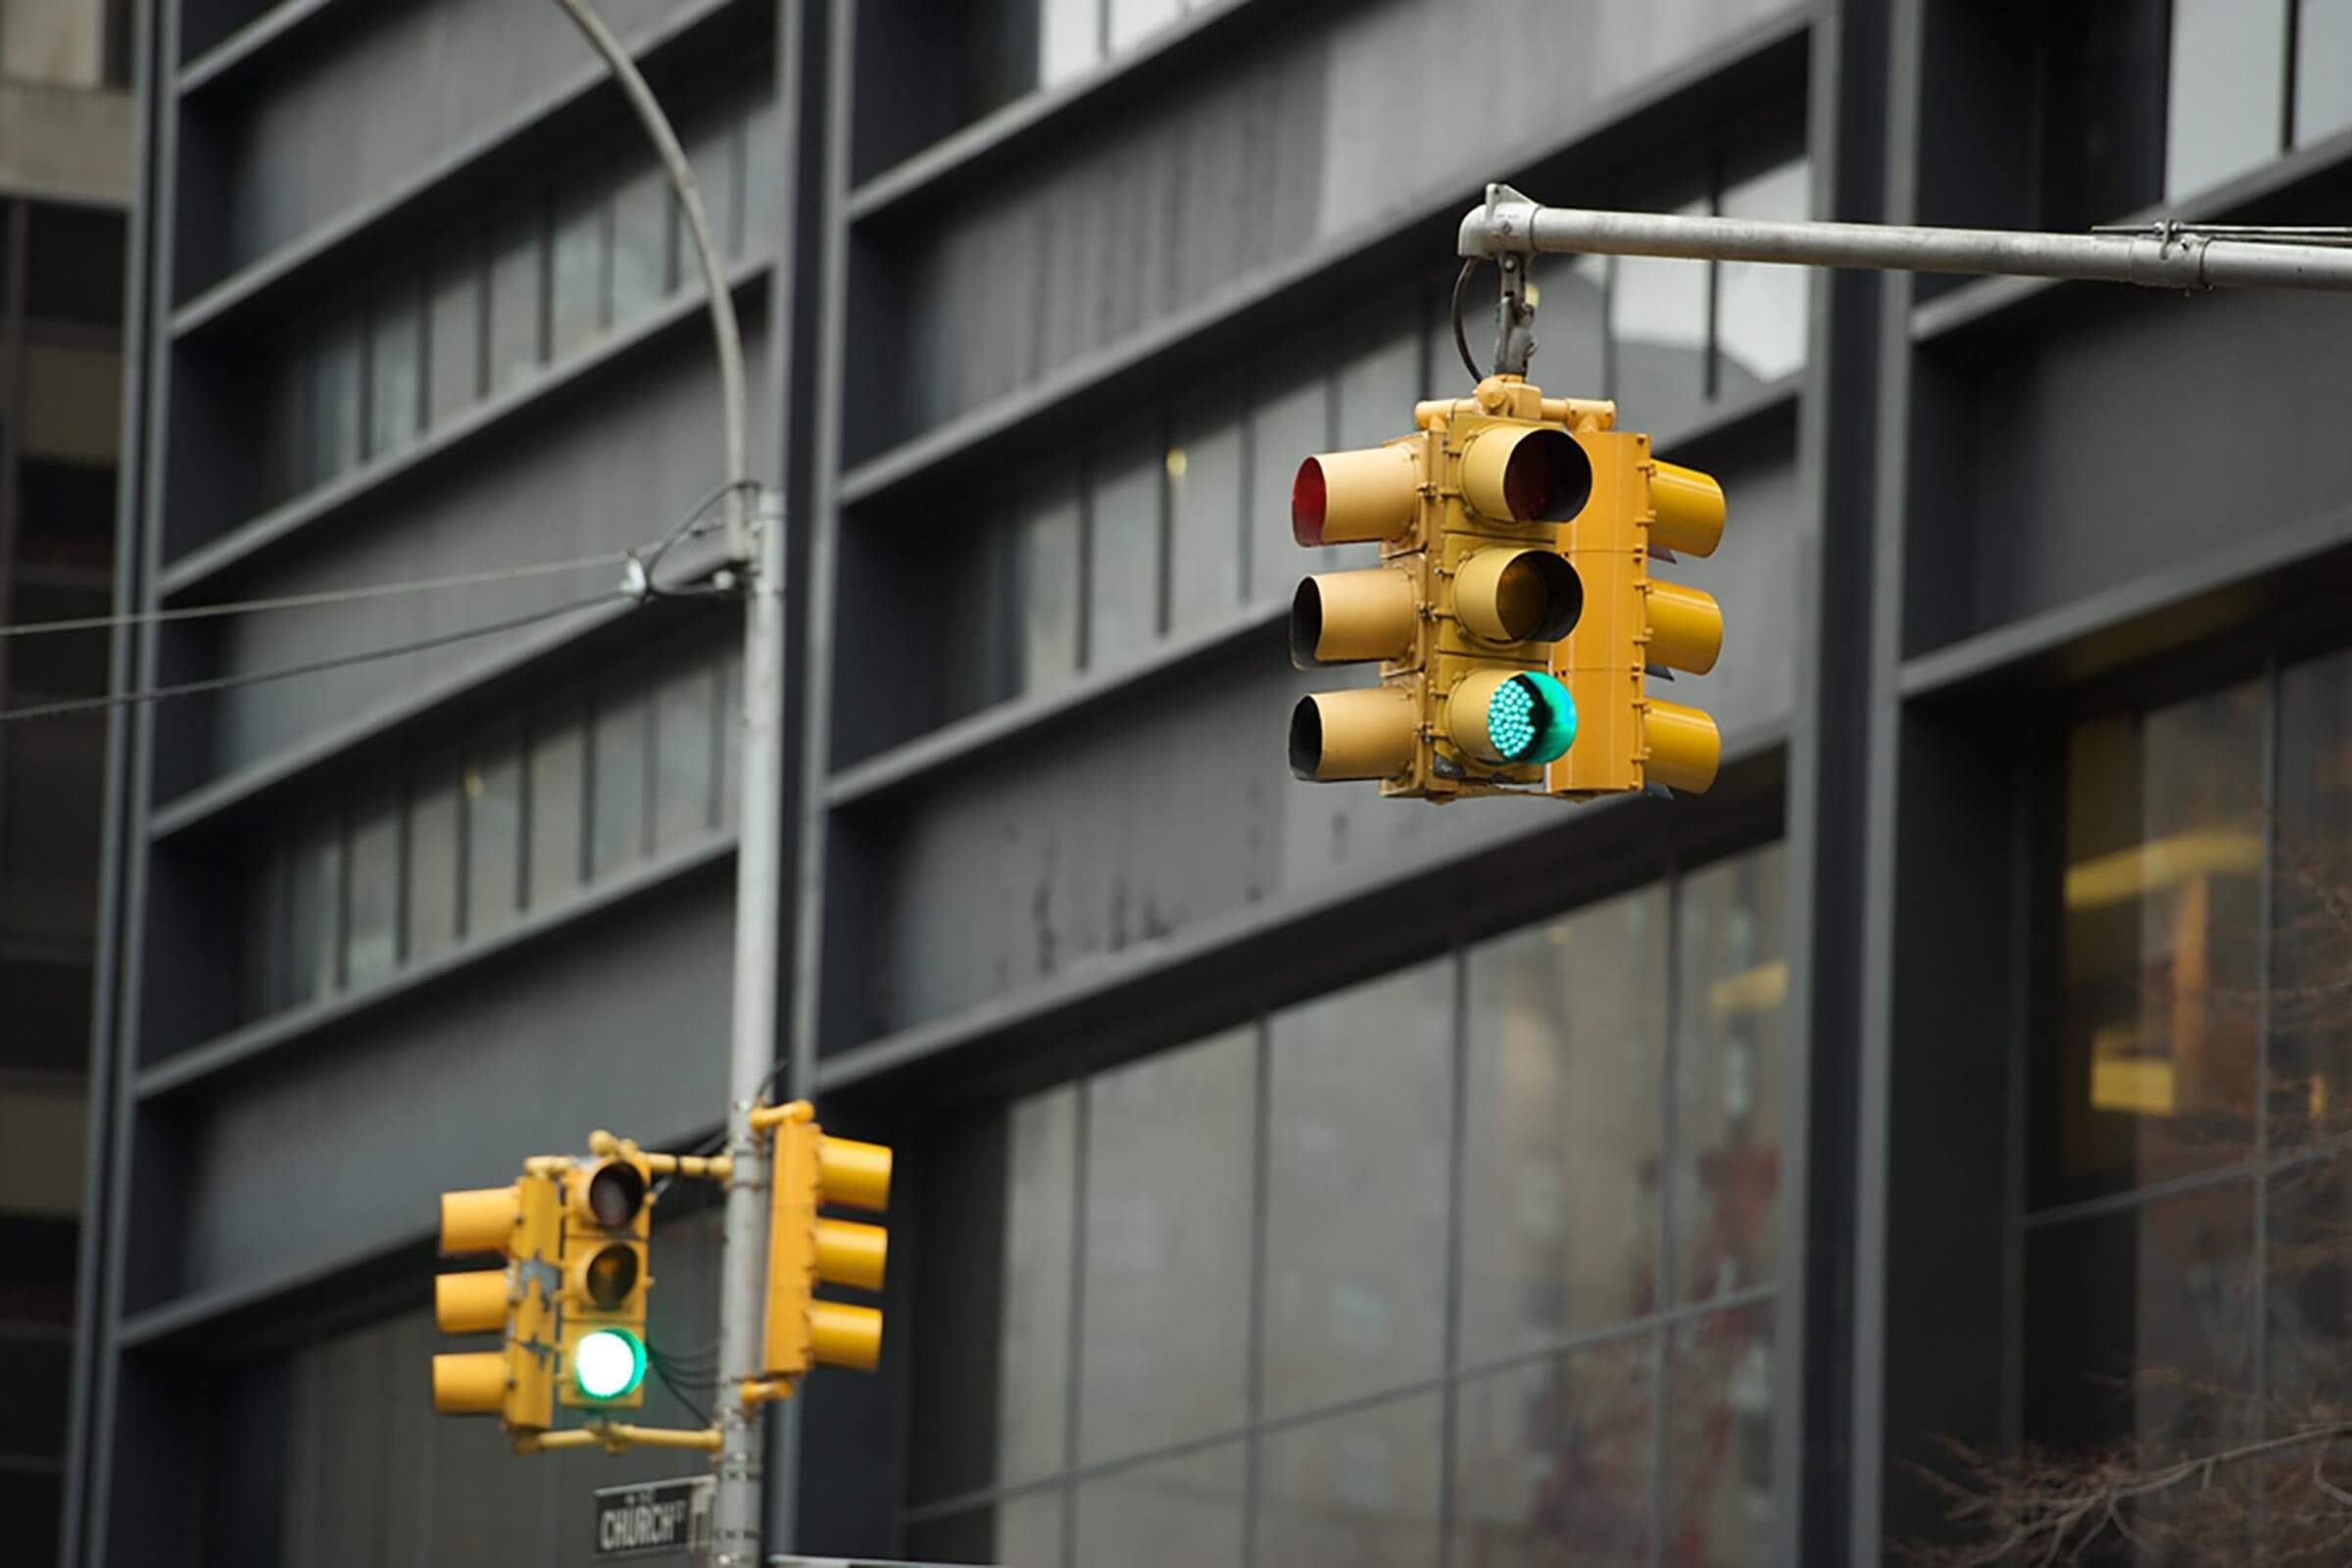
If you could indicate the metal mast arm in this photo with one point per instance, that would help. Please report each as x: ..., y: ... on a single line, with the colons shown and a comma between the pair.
x: 2164, y: 256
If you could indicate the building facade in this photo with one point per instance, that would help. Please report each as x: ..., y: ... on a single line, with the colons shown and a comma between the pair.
x: 65, y: 183
x: 1286, y: 1175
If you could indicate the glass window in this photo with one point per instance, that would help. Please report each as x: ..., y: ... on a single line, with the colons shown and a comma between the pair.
x: 313, y: 913
x: 2222, y: 111
x: 1175, y: 1513
x: 1124, y: 592
x: 371, y: 932
x: 1359, y: 1489
x: 431, y: 913
x: 1557, y: 1453
x: 975, y: 629
x: 1658, y: 336
x: 1206, y: 516
x: 2311, y: 1045
x: 1718, y: 1447
x: 493, y: 786
x: 1733, y: 974
x: 2323, y: 83
x: 1133, y: 21
x: 333, y: 408
x: 1357, y: 1179
x: 1069, y: 39
x: 2164, y: 852
x: 618, y: 834
x: 1567, y: 1041
x: 641, y: 259
x: 555, y: 784
x: 576, y: 311
x: 717, y: 157
x: 2308, y: 1285
x: 1290, y: 423
x: 2149, y: 1336
x: 685, y: 756
x: 1164, y: 1346
x: 1761, y: 309
x: 395, y: 370
x: 1041, y: 1189
x: 1572, y: 328
x: 517, y: 303
x: 456, y: 330
x: 1045, y: 567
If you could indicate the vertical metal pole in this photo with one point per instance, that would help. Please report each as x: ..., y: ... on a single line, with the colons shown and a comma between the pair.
x: 758, y: 928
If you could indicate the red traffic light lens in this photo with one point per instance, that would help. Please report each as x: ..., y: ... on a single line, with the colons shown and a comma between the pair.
x: 1309, y: 497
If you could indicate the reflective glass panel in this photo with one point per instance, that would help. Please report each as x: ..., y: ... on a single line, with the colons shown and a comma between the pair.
x: 371, y: 932
x: 1184, y: 1512
x: 1124, y: 592
x: 1718, y: 1447
x: 335, y: 395
x: 1658, y: 336
x: 2323, y: 69
x: 1164, y: 1347
x: 2164, y: 853
x: 431, y: 913
x: 456, y: 330
x: 493, y: 788
x: 1761, y: 311
x: 1731, y: 972
x: 395, y: 367
x: 616, y: 835
x: 558, y: 755
x: 1069, y: 39
x: 685, y: 752
x: 1133, y: 21
x: 641, y: 259
x: 1566, y: 1082
x: 1040, y: 1190
x: 717, y: 156
x: 2224, y: 108
x: 313, y: 913
x: 1553, y: 1460
x: 1045, y: 574
x: 577, y: 311
x: 518, y: 312
x: 2311, y: 936
x: 1356, y: 1200
x: 1205, y: 511
x: 2308, y: 1291
x: 1572, y: 325
x: 1359, y: 1489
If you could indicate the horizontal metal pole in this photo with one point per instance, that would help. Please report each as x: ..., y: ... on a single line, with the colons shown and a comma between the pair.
x: 1508, y: 222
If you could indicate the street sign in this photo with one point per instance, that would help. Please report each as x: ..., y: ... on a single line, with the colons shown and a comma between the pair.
x: 654, y: 1518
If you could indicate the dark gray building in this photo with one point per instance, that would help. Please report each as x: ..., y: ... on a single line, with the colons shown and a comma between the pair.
x: 1287, y: 1176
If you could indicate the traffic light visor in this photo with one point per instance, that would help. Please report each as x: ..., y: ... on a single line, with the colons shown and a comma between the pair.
x: 1685, y: 747
x: 841, y: 1335
x: 1348, y: 497
x: 470, y: 1304
x: 613, y: 1192
x: 608, y: 1364
x: 1531, y: 473
x: 1359, y: 734
x: 1516, y: 717
x: 482, y: 1220
x: 609, y: 1274
x: 1514, y: 596
x: 1688, y: 508
x: 469, y: 1382
x: 1346, y: 618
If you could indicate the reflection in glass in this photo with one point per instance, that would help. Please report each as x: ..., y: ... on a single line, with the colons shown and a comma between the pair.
x: 493, y: 789
x: 1045, y: 574
x: 1552, y: 1461
x: 1355, y: 1203
x: 431, y: 917
x: 1124, y: 593
x: 1033, y: 1366
x: 1069, y: 39
x: 371, y: 931
x: 1164, y: 1346
x: 1718, y: 1448
x: 456, y: 330
x: 2164, y: 853
x: 1133, y: 21
x: 617, y: 833
x: 577, y: 271
x: 2308, y: 1289
x: 332, y: 409
x: 685, y: 748
x: 1184, y: 1512
x: 556, y: 781
x: 641, y: 260
x: 1658, y: 333
x: 2311, y: 945
x: 1731, y: 974
x: 2323, y: 83
x: 1567, y: 1042
x: 2139, y: 1328
x: 395, y: 363
x: 1761, y: 309
x: 313, y: 913
x: 2223, y: 107
x: 516, y: 314
x: 1359, y: 1489
x: 1205, y: 541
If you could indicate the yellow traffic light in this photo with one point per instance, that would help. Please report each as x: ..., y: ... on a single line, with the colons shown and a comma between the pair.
x: 514, y: 1381
x: 810, y: 1170
x: 1471, y: 592
x: 608, y: 1223
x: 1634, y: 624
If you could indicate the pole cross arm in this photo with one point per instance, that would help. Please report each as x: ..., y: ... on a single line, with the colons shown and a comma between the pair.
x: 2164, y: 256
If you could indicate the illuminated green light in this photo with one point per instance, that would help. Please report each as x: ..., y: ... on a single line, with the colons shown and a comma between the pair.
x: 608, y: 1364
x: 1531, y: 719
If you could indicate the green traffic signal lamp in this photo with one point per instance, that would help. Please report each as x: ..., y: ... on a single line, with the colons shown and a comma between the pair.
x: 608, y: 1364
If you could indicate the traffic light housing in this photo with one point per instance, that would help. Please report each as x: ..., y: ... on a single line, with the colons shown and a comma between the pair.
x: 808, y: 1172
x: 1471, y: 595
x: 608, y: 1223
x: 516, y: 1382
x: 1637, y: 625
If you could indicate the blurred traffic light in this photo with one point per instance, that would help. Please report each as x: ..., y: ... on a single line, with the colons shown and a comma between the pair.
x: 810, y: 1172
